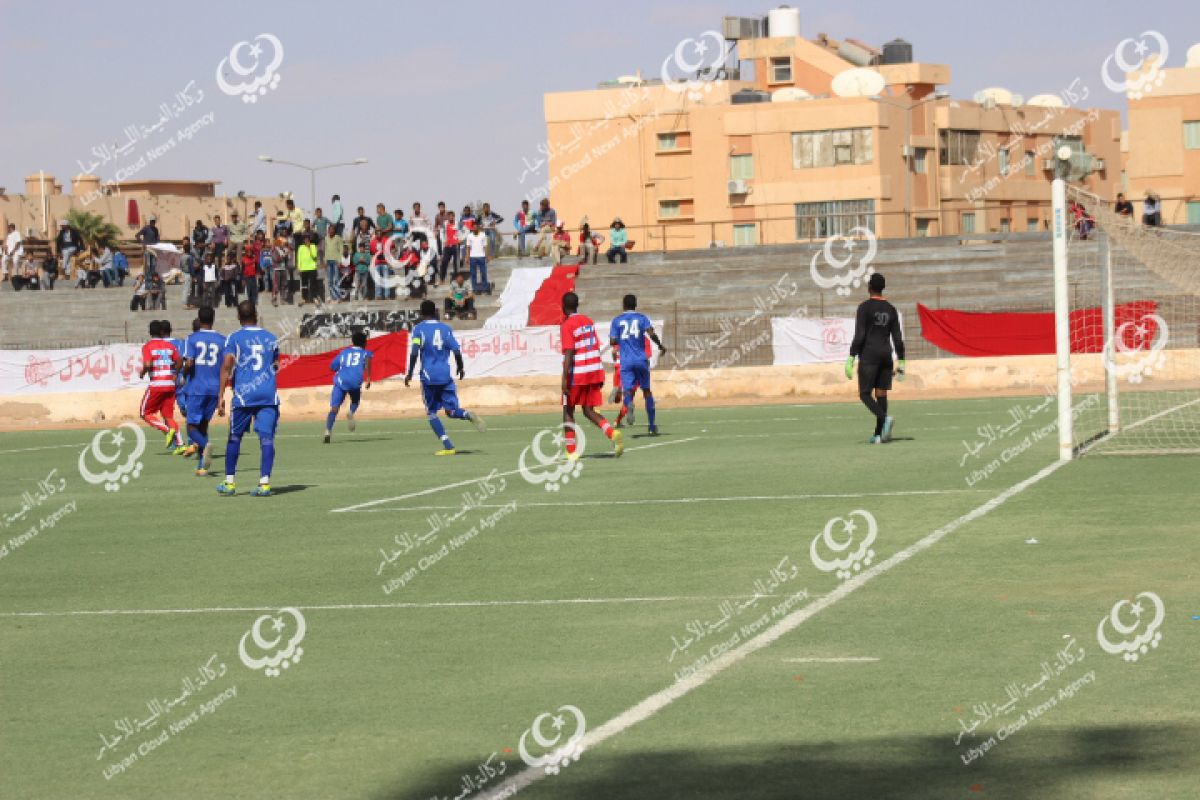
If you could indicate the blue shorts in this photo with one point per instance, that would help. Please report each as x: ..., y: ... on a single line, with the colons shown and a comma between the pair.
x: 339, y: 396
x: 265, y: 419
x: 200, y: 408
x: 181, y: 400
x: 635, y: 375
x: 440, y: 396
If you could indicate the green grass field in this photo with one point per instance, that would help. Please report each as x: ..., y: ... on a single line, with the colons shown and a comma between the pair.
x: 600, y: 595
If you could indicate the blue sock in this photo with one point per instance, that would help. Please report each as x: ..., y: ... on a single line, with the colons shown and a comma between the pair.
x: 650, y: 409
x: 268, y: 456
x: 232, y: 448
x: 458, y: 413
x: 331, y: 417
x: 440, y: 430
x: 198, y: 438
x: 353, y: 407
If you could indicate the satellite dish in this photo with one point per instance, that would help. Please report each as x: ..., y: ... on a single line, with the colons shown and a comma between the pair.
x: 1018, y: 100
x: 1193, y: 56
x: 789, y: 95
x: 997, y: 95
x: 858, y: 82
x: 1064, y: 153
x: 629, y: 80
x: 1047, y: 101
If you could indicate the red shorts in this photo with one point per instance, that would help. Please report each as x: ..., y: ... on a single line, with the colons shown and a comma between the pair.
x: 159, y: 399
x: 587, y: 395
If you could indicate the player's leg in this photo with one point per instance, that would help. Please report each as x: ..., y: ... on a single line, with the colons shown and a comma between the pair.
x: 569, y: 440
x: 455, y: 411
x: 168, y: 415
x: 355, y: 399
x: 642, y: 376
x: 151, y: 411
x: 597, y: 419
x: 266, y: 420
x: 883, y: 384
x: 198, y: 436
x: 868, y: 376
x: 239, y: 423
x: 628, y: 394
x: 433, y: 404
x: 336, y: 397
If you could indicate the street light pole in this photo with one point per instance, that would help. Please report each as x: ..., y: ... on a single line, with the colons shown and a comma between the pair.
x: 312, y: 173
x: 910, y: 155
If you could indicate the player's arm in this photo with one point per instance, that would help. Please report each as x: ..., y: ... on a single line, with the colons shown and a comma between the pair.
x: 226, y: 377
x: 367, y: 371
x: 413, y: 354
x: 568, y: 369
x: 898, y: 342
x: 458, y: 363
x: 653, y: 334
x: 860, y: 338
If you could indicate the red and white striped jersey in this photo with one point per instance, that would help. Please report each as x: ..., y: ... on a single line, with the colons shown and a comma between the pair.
x: 160, y: 356
x: 579, y: 336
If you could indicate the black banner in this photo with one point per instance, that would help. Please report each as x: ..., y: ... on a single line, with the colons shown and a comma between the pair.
x: 343, y: 324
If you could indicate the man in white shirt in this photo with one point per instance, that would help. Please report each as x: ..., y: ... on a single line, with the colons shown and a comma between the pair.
x: 260, y: 219
x: 477, y: 247
x: 13, y: 251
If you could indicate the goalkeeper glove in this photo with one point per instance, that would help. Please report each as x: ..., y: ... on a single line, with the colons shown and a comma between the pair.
x: 900, y: 370
x: 850, y: 368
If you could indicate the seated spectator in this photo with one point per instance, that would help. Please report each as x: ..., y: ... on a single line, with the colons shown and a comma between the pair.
x: 588, y: 244
x: 561, y: 244
x: 87, y: 270
x: 545, y: 241
x: 157, y: 292
x: 525, y: 221
x: 460, y: 302
x: 1123, y: 207
x: 1152, y: 210
x: 618, y: 238
x: 121, y: 267
x: 107, y: 272
x: 140, y: 292
x: 25, y: 274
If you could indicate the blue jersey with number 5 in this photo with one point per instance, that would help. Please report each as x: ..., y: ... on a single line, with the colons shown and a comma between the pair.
x: 255, y: 352
x: 349, y: 365
x: 629, y: 330
x: 435, y: 341
x: 206, y: 349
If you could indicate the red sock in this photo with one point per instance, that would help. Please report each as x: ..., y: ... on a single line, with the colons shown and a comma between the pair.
x: 570, y: 437
x: 604, y: 426
x: 621, y: 413
x: 156, y: 424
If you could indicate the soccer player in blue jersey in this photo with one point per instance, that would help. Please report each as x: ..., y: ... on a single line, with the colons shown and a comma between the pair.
x: 353, y: 368
x: 251, y: 360
x: 433, y: 342
x: 203, y: 353
x: 628, y: 334
x: 181, y: 394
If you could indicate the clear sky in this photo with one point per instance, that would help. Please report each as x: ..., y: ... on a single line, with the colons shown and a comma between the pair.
x: 445, y: 98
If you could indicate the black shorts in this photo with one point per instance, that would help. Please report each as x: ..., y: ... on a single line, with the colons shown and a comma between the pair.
x: 874, y: 375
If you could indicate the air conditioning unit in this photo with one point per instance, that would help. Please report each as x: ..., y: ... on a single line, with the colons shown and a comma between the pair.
x: 737, y: 28
x: 1097, y: 164
x: 737, y: 187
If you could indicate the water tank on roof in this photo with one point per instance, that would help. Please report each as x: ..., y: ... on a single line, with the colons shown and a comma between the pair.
x: 783, y: 23
x: 897, y: 51
x: 859, y: 56
x: 751, y: 96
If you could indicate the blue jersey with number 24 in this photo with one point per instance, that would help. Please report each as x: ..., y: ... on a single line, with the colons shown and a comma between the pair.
x: 629, y: 330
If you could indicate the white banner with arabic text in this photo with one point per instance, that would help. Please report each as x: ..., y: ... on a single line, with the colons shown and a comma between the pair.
x: 102, y: 368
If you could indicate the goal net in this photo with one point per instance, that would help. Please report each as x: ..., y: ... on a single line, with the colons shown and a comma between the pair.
x: 1134, y: 367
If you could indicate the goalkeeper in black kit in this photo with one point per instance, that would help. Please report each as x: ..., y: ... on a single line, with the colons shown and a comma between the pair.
x: 876, y: 330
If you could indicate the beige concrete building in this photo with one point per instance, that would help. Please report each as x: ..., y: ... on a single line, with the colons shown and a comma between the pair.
x: 797, y: 152
x: 1164, y: 146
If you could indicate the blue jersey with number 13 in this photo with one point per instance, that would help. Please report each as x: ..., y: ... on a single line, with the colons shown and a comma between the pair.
x: 349, y: 365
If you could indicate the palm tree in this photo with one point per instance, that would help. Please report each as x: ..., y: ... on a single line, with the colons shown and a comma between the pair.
x: 94, y: 229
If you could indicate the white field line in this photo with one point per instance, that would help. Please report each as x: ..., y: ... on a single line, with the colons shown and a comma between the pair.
x: 469, y: 481
x: 842, y: 660
x: 568, y: 601
x: 689, y: 500
x: 79, y: 446
x: 663, y: 698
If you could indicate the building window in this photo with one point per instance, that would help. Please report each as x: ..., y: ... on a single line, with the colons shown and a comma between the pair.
x: 923, y: 228
x: 1030, y: 164
x: 668, y: 209
x: 833, y: 218
x: 741, y: 167
x: 668, y: 141
x: 1073, y: 142
x: 1193, y: 211
x: 959, y: 148
x: 745, y: 235
x: 1003, y: 156
x: 1006, y: 226
x: 919, y: 165
x: 832, y: 148
x: 781, y: 70
x: 1191, y: 135
x: 1032, y: 225
x: 968, y: 222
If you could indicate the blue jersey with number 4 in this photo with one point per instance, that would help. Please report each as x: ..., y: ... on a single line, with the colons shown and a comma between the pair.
x: 435, y: 342
x: 349, y: 365
x: 629, y: 330
x: 255, y: 352
x: 206, y: 349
